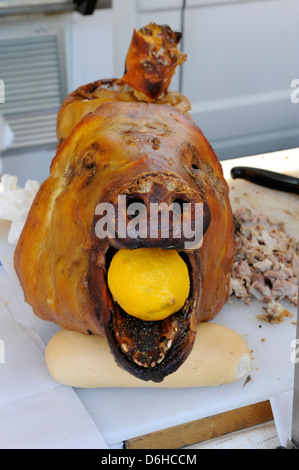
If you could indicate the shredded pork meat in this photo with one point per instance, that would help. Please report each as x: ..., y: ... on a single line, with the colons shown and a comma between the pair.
x: 266, y: 264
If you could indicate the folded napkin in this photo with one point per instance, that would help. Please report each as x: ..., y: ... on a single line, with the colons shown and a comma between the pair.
x: 15, y: 203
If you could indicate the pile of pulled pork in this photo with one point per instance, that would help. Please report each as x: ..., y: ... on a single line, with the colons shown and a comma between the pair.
x: 266, y: 265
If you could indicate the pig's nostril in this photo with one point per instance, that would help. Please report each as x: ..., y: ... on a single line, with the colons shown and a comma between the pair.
x: 134, y: 205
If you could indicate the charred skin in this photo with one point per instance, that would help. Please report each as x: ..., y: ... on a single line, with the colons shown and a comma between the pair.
x: 145, y: 151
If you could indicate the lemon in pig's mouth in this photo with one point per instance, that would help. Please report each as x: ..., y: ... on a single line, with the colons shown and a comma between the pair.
x: 149, y: 283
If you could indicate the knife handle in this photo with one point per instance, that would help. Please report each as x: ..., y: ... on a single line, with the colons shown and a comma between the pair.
x: 267, y: 178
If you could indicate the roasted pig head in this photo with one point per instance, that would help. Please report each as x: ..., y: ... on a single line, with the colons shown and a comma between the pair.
x: 149, y: 153
x: 115, y: 149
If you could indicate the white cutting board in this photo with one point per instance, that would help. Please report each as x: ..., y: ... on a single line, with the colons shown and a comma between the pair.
x: 121, y: 414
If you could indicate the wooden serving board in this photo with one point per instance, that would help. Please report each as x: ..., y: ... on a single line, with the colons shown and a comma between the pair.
x: 173, y: 418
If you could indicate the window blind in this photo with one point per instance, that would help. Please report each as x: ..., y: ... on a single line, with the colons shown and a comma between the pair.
x: 31, y: 71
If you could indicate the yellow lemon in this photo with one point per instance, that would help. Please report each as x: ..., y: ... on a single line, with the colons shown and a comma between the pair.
x: 149, y: 283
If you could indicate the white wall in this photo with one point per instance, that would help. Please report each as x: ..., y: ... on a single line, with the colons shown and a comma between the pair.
x: 91, y: 48
x: 242, y: 57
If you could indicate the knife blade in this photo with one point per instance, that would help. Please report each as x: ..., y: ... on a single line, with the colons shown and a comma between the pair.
x: 293, y: 441
x: 267, y: 178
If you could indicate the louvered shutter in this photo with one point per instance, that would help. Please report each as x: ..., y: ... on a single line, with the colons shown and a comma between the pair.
x: 30, y: 69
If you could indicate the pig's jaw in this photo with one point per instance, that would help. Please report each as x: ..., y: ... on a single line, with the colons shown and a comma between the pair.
x: 149, y: 350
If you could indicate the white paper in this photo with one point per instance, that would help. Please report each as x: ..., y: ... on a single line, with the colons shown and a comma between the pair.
x: 35, y: 411
x: 55, y: 419
x: 282, y: 406
x: 262, y: 436
x: 13, y: 297
x: 24, y: 371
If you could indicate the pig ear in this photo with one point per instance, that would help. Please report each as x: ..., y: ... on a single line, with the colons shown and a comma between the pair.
x: 151, y: 60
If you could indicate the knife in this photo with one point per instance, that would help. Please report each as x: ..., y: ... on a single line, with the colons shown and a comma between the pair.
x: 293, y: 441
x: 267, y: 178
